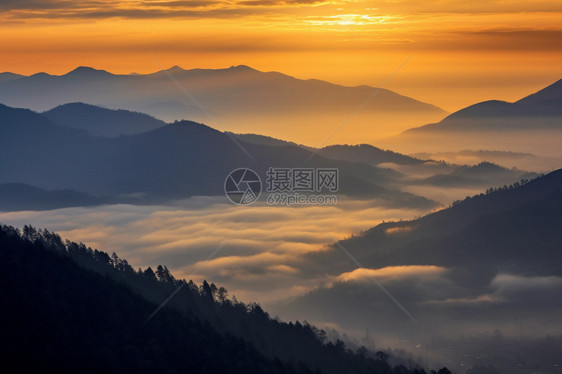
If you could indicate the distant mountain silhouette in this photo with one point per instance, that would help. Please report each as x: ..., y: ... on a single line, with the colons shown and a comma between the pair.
x: 362, y: 153
x: 174, y: 161
x: 9, y: 76
x: 86, y: 72
x: 480, y: 174
x: 367, y: 154
x: 35, y: 149
x: 266, y: 140
x: 541, y: 110
x: 17, y: 196
x: 475, y: 155
x: 443, y: 174
x: 531, y: 125
x: 243, y: 99
x: 547, y: 96
x: 102, y: 122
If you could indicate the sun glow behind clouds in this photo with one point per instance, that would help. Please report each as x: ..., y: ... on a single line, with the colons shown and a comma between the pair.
x: 464, y: 52
x: 350, y: 20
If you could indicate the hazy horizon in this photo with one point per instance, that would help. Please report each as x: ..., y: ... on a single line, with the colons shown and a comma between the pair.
x: 422, y: 93
x: 346, y: 186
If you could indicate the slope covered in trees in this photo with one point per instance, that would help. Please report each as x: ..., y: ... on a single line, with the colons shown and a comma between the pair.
x: 70, y: 308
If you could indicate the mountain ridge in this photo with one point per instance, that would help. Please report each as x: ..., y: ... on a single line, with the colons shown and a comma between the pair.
x: 170, y: 162
x: 241, y: 99
x: 490, y: 261
x: 100, y: 121
x: 497, y: 114
x: 91, y: 299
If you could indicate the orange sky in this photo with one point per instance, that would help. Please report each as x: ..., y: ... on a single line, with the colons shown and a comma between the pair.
x: 461, y: 52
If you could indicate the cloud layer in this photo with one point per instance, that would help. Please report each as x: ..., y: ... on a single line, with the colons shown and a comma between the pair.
x: 222, y: 8
x: 261, y: 250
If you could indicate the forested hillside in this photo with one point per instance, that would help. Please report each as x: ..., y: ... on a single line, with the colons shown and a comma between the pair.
x: 71, y: 308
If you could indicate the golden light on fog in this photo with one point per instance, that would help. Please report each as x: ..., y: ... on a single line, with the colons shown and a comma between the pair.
x: 391, y: 272
x: 398, y: 229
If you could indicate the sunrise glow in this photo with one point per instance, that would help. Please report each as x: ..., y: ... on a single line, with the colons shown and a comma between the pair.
x: 503, y: 49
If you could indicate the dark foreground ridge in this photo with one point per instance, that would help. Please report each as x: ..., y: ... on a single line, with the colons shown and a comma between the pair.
x: 68, y: 308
